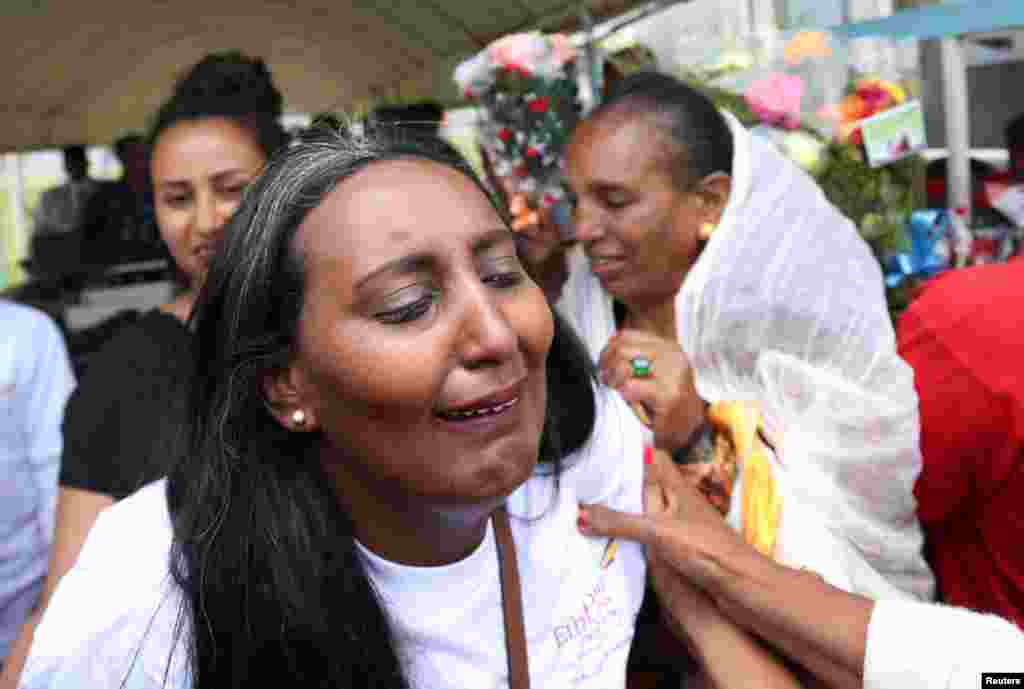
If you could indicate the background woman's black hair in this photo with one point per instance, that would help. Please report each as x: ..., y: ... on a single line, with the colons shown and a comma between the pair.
x: 273, y: 585
x: 699, y: 132
x: 229, y: 85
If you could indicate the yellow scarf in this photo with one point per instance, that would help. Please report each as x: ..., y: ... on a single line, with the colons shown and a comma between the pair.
x: 762, y: 506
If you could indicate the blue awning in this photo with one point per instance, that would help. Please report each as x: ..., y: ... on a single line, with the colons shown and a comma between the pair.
x: 938, y: 21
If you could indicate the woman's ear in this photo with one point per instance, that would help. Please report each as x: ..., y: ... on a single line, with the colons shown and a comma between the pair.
x: 288, y: 399
x: 714, y: 191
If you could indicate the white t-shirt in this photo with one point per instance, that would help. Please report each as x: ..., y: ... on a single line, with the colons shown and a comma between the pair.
x: 35, y: 381
x: 111, y: 620
x: 912, y: 645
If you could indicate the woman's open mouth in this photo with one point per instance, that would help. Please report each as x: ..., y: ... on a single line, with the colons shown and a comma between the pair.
x: 607, y: 267
x: 204, y: 254
x: 477, y: 412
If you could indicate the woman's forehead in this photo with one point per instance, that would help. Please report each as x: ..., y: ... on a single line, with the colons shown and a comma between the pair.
x: 390, y: 205
x: 618, y: 144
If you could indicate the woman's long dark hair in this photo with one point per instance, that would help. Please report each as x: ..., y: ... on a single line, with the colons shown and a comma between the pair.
x: 274, y: 590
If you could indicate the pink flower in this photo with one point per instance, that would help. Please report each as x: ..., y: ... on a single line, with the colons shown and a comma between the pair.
x: 775, y: 99
x: 517, y: 52
x: 875, y: 98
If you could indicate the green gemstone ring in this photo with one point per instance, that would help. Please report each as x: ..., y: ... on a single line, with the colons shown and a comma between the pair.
x: 641, y: 366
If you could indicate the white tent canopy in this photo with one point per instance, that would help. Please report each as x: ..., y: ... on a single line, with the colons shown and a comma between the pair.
x: 78, y: 72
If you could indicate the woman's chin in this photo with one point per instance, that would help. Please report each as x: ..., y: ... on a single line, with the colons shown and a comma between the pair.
x: 503, y: 475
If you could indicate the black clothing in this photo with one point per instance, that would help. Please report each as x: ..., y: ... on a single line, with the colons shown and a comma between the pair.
x: 125, y: 420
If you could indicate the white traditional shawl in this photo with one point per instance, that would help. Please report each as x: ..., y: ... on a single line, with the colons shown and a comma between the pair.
x: 786, y: 307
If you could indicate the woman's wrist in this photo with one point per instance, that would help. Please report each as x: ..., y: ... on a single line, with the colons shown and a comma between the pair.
x: 686, y: 451
x: 702, y: 628
x: 732, y: 657
x: 734, y: 568
x: 793, y: 606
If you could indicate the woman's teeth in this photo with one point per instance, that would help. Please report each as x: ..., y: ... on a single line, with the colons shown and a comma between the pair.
x: 482, y: 411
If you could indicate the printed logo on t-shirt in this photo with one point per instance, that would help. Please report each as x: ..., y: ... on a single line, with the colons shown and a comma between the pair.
x: 599, y: 628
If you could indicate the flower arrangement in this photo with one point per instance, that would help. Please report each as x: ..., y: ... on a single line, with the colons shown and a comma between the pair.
x: 526, y: 87
x: 867, y: 98
x: 778, y: 101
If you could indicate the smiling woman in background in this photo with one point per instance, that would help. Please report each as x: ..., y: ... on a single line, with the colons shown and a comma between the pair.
x: 210, y: 140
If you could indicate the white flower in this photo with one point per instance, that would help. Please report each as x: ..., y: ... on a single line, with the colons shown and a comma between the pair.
x: 805, y: 150
x: 475, y: 75
x: 733, y: 60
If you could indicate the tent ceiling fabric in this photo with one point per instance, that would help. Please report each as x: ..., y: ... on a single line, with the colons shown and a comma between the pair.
x: 79, y: 72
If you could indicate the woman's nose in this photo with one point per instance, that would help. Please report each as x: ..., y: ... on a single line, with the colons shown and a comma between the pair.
x: 211, y: 216
x: 588, y: 225
x: 488, y: 336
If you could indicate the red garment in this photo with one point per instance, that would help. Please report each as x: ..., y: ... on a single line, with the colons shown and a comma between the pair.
x: 964, y: 338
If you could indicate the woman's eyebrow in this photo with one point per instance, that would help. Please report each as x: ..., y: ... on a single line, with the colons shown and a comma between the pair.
x: 405, y: 265
x: 488, y: 240
x: 172, y: 183
x: 423, y: 261
x: 222, y: 175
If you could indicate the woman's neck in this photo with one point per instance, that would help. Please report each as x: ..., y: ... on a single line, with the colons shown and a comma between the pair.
x: 395, y: 529
x: 659, y: 318
x: 181, y: 306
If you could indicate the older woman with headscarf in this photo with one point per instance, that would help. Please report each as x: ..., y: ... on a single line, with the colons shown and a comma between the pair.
x: 713, y: 270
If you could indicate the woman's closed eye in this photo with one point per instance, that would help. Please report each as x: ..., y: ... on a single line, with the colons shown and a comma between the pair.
x: 615, y: 199
x: 176, y: 200
x: 411, y: 304
x: 233, y: 190
x: 503, y: 273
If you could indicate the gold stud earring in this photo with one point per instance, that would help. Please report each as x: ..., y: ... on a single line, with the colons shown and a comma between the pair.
x: 299, y: 418
x: 706, y: 230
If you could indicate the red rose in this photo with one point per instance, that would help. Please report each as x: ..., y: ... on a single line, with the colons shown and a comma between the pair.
x: 514, y: 68
x: 538, y: 104
x: 505, y: 134
x: 532, y: 152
